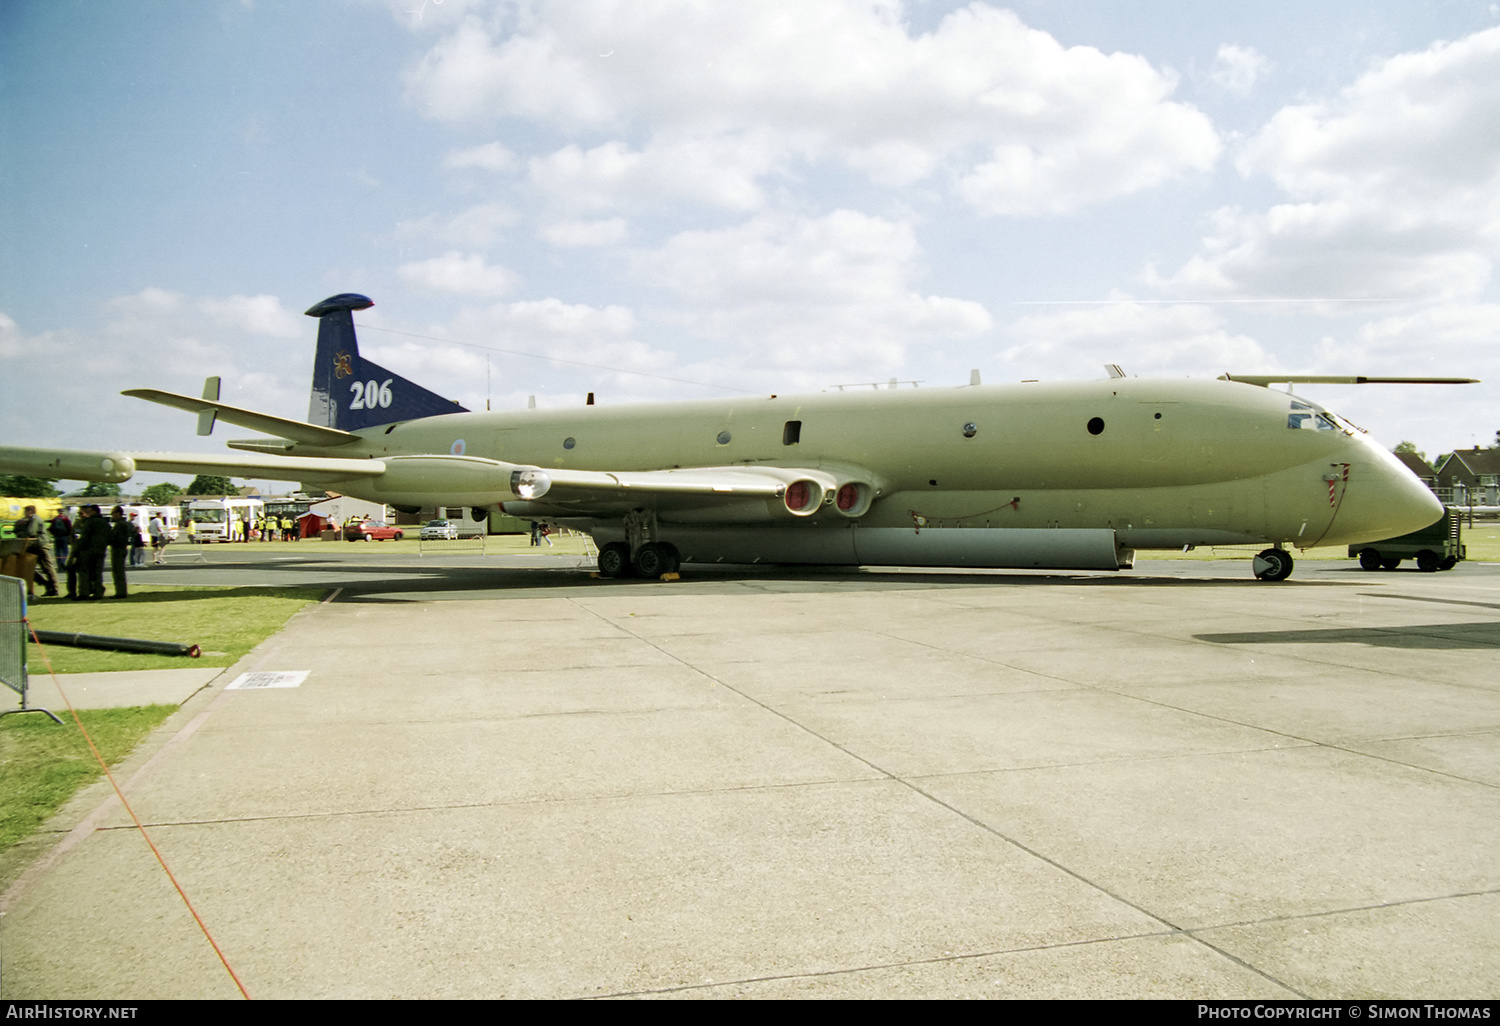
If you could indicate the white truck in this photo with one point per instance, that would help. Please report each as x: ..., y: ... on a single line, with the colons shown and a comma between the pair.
x: 226, y: 519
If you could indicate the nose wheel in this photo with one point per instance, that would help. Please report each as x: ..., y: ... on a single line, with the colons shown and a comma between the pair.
x: 1273, y: 565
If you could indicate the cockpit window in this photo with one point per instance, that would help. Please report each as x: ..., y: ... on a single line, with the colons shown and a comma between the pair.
x: 1308, y: 418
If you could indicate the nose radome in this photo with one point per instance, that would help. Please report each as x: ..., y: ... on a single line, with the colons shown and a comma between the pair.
x: 1391, y: 502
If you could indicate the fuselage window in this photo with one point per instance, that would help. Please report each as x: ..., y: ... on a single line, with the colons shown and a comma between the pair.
x: 1096, y: 425
x: 792, y: 433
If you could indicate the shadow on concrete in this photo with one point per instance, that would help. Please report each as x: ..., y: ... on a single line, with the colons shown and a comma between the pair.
x: 1427, y: 636
x: 394, y: 579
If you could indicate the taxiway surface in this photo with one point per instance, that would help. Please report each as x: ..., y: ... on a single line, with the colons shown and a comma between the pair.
x: 508, y: 780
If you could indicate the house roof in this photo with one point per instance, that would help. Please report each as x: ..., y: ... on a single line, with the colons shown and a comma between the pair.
x: 1472, y: 462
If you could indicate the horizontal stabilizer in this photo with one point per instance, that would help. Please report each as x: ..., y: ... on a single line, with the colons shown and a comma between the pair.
x: 1338, y: 379
x: 283, y: 427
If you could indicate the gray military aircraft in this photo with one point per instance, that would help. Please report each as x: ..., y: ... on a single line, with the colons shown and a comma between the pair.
x: 1070, y: 476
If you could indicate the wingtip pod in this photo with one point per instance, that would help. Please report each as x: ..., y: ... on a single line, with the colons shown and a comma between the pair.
x: 342, y: 301
x: 67, y: 464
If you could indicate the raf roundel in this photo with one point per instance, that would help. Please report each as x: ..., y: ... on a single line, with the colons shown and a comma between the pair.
x: 457, y: 448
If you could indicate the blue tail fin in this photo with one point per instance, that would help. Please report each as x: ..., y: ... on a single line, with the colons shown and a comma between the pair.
x: 351, y: 393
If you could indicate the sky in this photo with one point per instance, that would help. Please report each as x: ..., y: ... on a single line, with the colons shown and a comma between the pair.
x: 659, y: 199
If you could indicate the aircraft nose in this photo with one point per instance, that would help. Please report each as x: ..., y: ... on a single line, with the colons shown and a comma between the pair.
x: 1392, y: 502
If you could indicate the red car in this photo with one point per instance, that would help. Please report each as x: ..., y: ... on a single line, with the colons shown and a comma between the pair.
x: 372, y: 530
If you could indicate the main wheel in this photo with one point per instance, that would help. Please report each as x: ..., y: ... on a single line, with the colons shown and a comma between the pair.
x: 614, y: 560
x: 1369, y: 559
x: 656, y: 559
x: 1448, y: 563
x: 1428, y: 561
x: 1273, y: 565
x: 1389, y: 564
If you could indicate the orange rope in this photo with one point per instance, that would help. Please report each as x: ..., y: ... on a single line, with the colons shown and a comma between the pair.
x: 134, y: 818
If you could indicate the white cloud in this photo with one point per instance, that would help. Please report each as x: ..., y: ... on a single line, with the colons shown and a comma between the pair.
x: 1238, y: 68
x: 584, y: 345
x: 1337, y: 250
x: 1174, y: 340
x: 489, y: 157
x: 806, y: 296
x: 12, y: 343
x: 722, y: 172
x: 726, y: 94
x: 254, y: 315
x: 551, y: 321
x: 578, y: 234
x: 174, y: 325
x: 460, y: 273
x: 1453, y: 340
x: 1394, y: 188
x: 158, y: 338
x: 474, y: 228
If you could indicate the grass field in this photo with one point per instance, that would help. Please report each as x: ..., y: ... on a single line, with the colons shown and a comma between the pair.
x: 225, y: 622
x: 42, y: 765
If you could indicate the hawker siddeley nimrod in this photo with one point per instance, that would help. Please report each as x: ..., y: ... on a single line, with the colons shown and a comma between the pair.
x: 1073, y: 476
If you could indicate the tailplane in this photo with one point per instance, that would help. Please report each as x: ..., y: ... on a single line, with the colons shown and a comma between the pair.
x: 351, y: 393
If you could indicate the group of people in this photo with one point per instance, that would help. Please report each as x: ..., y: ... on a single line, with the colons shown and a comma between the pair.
x: 82, y: 546
x: 278, y: 529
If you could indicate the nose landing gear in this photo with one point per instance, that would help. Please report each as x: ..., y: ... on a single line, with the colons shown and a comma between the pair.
x: 1273, y: 565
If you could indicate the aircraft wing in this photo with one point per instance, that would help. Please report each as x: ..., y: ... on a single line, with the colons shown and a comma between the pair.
x: 282, y: 427
x: 738, y: 493
x: 441, y: 479
x: 604, y: 492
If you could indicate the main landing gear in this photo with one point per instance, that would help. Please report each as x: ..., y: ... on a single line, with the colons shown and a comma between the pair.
x: 653, y: 560
x: 1273, y: 565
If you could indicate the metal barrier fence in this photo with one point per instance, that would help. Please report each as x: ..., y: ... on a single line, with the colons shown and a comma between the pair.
x: 191, y: 551
x: 13, y: 642
x: 13, y: 634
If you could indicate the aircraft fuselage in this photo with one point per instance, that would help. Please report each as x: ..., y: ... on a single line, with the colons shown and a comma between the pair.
x: 1161, y: 463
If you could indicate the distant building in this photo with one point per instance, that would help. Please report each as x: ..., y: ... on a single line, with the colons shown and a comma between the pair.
x: 1469, y: 477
